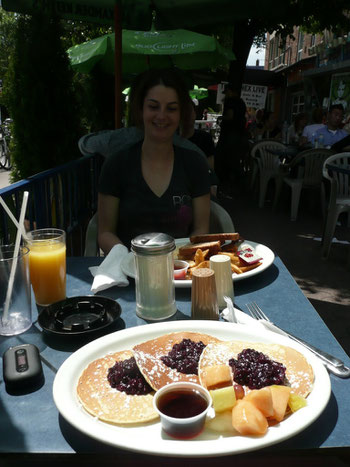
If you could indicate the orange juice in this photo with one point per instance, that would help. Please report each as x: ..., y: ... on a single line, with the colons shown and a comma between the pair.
x: 47, y: 264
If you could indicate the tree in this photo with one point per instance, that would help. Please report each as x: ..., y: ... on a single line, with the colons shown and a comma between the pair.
x: 7, y: 29
x: 40, y: 97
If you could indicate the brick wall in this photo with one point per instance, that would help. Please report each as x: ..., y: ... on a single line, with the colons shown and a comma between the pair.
x: 291, y: 49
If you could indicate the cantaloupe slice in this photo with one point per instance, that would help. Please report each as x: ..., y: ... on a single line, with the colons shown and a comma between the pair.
x: 262, y: 399
x: 216, y: 376
x: 247, y: 419
x: 280, y: 397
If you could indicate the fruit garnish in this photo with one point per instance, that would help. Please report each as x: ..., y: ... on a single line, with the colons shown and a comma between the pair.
x: 223, y: 398
x: 296, y: 402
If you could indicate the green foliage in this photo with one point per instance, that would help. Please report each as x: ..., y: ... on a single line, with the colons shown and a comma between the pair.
x: 7, y: 27
x: 40, y: 97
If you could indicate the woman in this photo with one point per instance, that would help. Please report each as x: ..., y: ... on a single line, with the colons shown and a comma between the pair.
x: 154, y: 185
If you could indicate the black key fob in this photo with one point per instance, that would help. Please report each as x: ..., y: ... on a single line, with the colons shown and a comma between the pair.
x: 22, y: 368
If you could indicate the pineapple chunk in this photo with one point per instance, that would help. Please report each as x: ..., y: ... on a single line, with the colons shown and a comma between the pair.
x: 222, y: 422
x: 223, y: 398
x: 247, y: 419
x: 296, y: 402
x: 216, y: 376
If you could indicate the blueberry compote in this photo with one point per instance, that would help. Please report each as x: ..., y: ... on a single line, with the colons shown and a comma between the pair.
x: 184, y: 357
x: 125, y: 376
x: 256, y: 370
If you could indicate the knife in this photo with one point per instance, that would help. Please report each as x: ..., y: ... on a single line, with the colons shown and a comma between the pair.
x: 334, y: 364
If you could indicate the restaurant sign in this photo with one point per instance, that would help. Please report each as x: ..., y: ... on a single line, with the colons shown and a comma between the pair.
x: 340, y: 90
x: 254, y: 96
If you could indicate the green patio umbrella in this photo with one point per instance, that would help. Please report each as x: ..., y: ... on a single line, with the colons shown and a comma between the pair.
x: 142, y: 50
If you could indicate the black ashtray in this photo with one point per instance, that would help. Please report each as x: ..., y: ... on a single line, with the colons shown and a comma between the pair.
x: 79, y: 315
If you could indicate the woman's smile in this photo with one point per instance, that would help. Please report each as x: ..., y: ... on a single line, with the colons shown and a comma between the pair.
x: 161, y: 112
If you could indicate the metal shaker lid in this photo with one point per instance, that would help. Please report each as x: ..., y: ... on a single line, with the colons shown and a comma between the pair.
x: 153, y: 244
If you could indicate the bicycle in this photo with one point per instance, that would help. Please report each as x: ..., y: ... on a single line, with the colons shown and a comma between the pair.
x: 5, y: 136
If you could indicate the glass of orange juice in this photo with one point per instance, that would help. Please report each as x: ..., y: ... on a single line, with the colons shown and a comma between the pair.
x: 47, y: 264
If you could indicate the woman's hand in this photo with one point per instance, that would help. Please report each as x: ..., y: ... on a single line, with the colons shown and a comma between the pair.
x: 108, y: 210
x: 201, y: 213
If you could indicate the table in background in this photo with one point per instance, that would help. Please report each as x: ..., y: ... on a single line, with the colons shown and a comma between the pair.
x: 31, y: 427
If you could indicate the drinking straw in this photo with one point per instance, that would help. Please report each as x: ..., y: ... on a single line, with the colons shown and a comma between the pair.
x: 15, y: 256
x: 12, y: 217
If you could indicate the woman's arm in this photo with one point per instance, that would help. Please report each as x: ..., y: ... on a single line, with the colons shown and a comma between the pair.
x: 108, y: 209
x: 201, y: 212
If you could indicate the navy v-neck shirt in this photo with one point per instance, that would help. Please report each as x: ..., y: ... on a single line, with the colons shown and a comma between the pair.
x: 140, y: 209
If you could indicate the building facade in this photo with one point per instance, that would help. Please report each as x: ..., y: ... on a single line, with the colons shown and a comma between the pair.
x: 315, y: 71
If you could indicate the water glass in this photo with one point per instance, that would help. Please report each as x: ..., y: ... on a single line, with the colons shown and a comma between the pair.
x: 15, y: 309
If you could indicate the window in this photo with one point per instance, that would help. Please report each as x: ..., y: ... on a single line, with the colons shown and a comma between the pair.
x: 300, y: 45
x: 297, y: 103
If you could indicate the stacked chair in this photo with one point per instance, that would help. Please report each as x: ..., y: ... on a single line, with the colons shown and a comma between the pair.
x: 339, y: 199
x: 266, y: 165
x: 307, y: 166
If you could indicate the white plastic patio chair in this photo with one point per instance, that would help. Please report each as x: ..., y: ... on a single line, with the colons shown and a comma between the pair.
x: 309, y: 164
x: 220, y: 221
x: 266, y: 164
x: 339, y: 200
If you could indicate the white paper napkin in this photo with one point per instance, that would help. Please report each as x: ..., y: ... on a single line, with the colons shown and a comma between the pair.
x: 242, y: 318
x: 109, y: 273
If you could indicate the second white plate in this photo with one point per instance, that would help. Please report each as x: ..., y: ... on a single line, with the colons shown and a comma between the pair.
x: 267, y: 255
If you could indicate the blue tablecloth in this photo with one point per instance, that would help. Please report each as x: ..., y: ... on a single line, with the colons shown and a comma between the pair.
x: 30, y: 423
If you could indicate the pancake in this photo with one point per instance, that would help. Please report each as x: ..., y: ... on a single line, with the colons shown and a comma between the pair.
x: 299, y: 373
x: 108, y: 404
x: 156, y: 373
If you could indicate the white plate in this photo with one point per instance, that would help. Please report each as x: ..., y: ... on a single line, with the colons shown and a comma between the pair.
x: 150, y: 439
x: 267, y: 255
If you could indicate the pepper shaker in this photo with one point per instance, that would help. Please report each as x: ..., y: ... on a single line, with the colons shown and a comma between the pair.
x: 154, y: 281
x: 203, y: 297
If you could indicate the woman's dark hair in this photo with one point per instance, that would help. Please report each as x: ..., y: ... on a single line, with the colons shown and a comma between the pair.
x: 169, y: 78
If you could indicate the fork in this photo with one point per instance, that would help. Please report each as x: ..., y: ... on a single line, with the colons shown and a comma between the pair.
x: 335, y: 365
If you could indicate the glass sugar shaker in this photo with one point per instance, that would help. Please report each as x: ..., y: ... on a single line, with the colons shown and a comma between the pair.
x: 154, y: 265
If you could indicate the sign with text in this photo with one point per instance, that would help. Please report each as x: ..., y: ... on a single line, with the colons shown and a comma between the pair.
x: 254, y: 95
x: 340, y: 90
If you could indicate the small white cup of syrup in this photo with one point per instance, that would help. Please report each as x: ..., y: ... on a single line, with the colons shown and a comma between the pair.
x: 182, y: 408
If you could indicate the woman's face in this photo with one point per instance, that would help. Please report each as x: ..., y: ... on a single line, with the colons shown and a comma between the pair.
x: 161, y: 113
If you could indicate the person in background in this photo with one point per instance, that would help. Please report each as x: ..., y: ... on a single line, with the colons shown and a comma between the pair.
x: 256, y: 127
x: 318, y: 121
x: 232, y: 147
x: 332, y: 132
x: 203, y: 140
x: 271, y: 127
x: 296, y: 129
x: 153, y: 185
